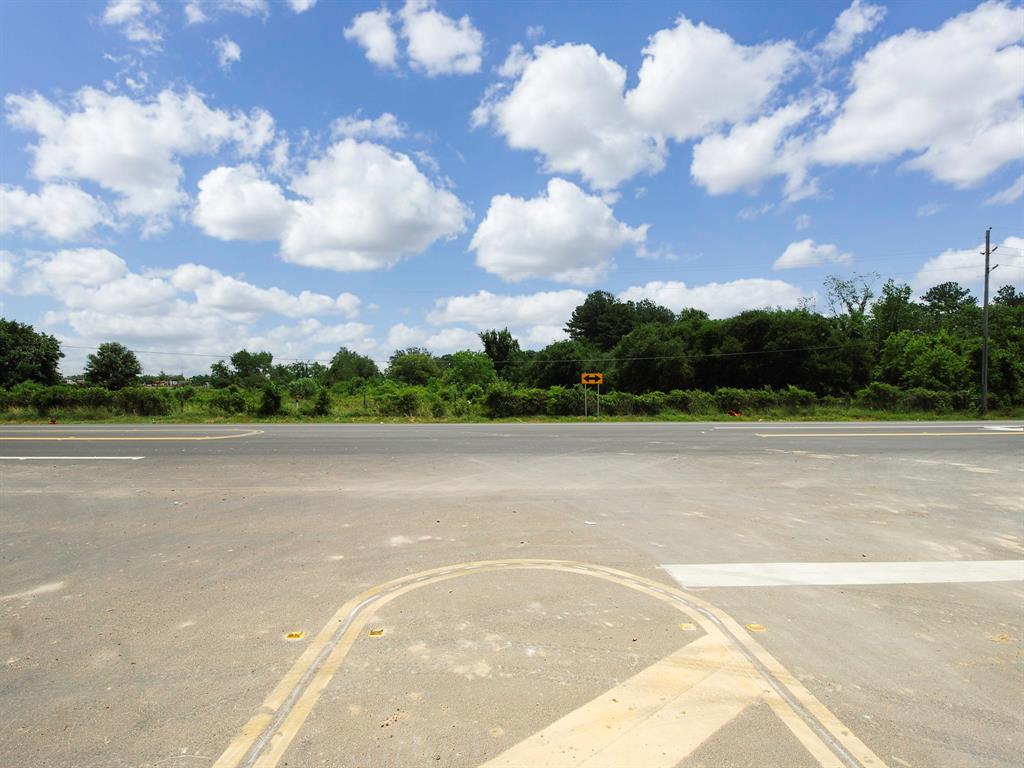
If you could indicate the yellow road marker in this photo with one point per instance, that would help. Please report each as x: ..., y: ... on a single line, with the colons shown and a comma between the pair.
x: 688, y: 627
x: 376, y: 633
x: 88, y: 439
x: 294, y: 635
x: 755, y: 627
x: 731, y: 656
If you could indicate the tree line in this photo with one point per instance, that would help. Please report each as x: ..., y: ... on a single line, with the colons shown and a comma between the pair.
x: 885, y: 351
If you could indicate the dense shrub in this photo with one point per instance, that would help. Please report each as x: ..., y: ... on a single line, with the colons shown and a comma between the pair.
x: 733, y: 399
x: 400, y: 401
x: 322, y: 403
x: 142, y: 401
x: 618, y: 403
x: 693, y: 401
x: 879, y: 396
x: 23, y: 394
x: 921, y: 399
x: 792, y: 398
x: 564, y: 401
x: 651, y: 403
x: 228, y: 401
x: 270, y: 401
x: 504, y: 401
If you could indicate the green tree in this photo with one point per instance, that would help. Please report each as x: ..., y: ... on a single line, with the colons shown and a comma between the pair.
x: 929, y: 360
x: 848, y: 298
x: 894, y: 311
x: 270, y: 401
x: 652, y: 357
x: 220, y: 375
x: 1008, y: 296
x: 413, y: 366
x: 947, y: 298
x: 252, y: 368
x: 467, y: 368
x: 113, y: 366
x: 601, y: 320
x: 502, y: 348
x: 347, y: 365
x: 561, y: 363
x: 302, y: 389
x: 27, y: 356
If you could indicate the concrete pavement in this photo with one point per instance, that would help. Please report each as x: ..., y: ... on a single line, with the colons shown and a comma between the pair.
x: 149, y: 586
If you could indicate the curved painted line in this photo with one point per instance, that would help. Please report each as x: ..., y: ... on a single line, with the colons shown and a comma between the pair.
x: 78, y: 439
x: 268, y: 734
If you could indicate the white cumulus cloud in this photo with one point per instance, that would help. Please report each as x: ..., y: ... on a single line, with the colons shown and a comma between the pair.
x: 960, y: 120
x: 387, y: 126
x: 563, y: 235
x: 857, y: 20
x: 718, y: 299
x: 372, y: 30
x: 228, y: 52
x: 132, y: 148
x: 568, y: 105
x: 807, y: 253
x: 359, y: 206
x: 695, y: 77
x: 137, y: 20
x: 484, y: 309
x: 967, y: 267
x: 437, y: 44
x: 301, y: 6
x: 239, y: 204
x: 57, y: 211
x: 201, y: 11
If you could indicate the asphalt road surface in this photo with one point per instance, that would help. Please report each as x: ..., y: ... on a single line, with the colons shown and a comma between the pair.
x: 512, y: 595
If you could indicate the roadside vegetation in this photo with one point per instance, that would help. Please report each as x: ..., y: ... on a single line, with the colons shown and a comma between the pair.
x: 884, y: 356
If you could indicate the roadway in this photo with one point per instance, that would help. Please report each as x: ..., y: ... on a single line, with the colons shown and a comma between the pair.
x: 744, y: 594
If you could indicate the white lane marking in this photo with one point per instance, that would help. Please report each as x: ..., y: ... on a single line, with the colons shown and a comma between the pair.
x: 858, y: 425
x: 71, y: 458
x: 42, y: 589
x: 1007, y: 428
x: 825, y: 574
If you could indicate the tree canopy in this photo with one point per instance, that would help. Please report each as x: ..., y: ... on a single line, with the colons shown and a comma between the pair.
x: 26, y: 355
x: 113, y: 366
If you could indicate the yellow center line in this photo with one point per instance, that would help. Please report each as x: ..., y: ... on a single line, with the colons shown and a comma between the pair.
x: 264, y: 740
x: 90, y: 439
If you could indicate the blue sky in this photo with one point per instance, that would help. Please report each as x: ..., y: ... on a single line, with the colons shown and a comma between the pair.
x: 296, y: 176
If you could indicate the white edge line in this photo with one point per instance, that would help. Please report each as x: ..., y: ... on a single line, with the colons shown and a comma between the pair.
x: 71, y: 458
x: 694, y: 575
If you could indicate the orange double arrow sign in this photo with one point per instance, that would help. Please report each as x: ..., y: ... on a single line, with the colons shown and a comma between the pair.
x: 592, y: 378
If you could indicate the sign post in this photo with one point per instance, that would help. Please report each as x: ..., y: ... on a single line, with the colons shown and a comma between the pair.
x: 586, y: 379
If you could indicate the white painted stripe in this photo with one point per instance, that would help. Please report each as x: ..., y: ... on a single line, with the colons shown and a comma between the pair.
x: 824, y: 574
x: 71, y: 458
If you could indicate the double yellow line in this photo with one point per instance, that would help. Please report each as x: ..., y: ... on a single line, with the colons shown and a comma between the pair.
x: 264, y: 740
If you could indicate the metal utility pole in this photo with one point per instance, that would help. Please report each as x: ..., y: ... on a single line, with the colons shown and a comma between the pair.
x: 984, y: 329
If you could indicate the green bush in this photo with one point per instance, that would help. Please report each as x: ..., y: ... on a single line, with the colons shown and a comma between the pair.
x: 693, y: 401
x: 474, y: 393
x: 564, y: 401
x: 651, y: 403
x: 504, y: 401
x: 400, y: 401
x: 270, y: 401
x: 921, y: 399
x: 618, y: 403
x: 879, y: 396
x: 23, y: 394
x: 228, y: 401
x: 793, y: 398
x: 322, y: 403
x: 749, y: 400
x: 142, y: 401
